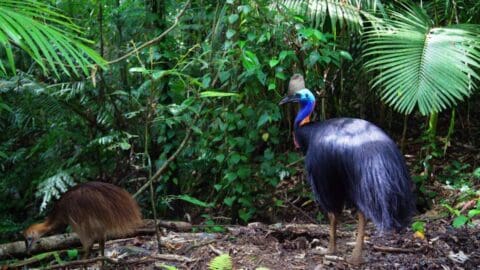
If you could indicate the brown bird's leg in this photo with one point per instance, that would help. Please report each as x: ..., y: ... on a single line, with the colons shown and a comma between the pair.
x: 86, y: 251
x: 332, y: 242
x: 357, y: 257
x: 101, y: 244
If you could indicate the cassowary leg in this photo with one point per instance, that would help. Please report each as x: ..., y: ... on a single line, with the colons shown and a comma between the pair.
x: 357, y: 257
x: 332, y: 242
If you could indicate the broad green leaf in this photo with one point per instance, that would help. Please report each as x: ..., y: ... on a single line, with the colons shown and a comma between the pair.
x: 72, y: 254
x: 273, y: 62
x: 230, y: 33
x: 474, y: 212
x: 418, y: 226
x: 264, y: 118
x: 233, y: 18
x: 220, y: 158
x: 229, y: 201
x: 459, y: 221
x: 250, y: 60
x: 346, y: 55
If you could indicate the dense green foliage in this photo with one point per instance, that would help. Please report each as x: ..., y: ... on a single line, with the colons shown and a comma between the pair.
x: 65, y: 120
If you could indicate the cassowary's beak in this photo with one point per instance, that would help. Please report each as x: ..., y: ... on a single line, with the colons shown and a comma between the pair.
x: 289, y: 99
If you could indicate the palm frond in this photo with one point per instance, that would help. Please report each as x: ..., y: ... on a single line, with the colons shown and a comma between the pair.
x: 50, y: 38
x: 340, y: 13
x: 421, y: 65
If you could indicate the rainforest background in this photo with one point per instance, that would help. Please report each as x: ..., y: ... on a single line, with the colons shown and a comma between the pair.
x: 184, y: 94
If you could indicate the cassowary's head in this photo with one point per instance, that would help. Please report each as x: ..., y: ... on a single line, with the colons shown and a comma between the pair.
x: 307, y: 103
x: 303, y: 96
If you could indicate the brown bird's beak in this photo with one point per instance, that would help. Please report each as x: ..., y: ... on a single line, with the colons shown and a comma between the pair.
x: 28, y: 244
x: 289, y: 99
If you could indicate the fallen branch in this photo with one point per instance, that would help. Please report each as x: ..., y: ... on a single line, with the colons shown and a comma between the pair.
x: 69, y: 240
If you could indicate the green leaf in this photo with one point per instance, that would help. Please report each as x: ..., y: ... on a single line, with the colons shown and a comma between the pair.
x: 474, y: 212
x: 273, y: 62
x: 476, y: 173
x: 124, y: 145
x: 207, y: 94
x: 5, y: 107
x: 72, y: 254
x: 231, y: 176
x: 220, y: 158
x: 250, y: 60
x: 230, y: 33
x: 235, y: 158
x: 194, y: 201
x: 346, y: 55
x: 264, y: 118
x: 459, y: 221
x: 217, y: 187
x: 418, y: 226
x: 168, y: 267
x: 245, y: 215
x: 233, y: 18
x: 229, y: 201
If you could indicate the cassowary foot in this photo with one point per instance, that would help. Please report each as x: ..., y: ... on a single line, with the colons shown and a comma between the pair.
x: 356, y: 261
x: 331, y: 250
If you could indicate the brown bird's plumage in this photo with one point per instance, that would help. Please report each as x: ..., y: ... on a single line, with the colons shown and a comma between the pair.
x: 95, y: 211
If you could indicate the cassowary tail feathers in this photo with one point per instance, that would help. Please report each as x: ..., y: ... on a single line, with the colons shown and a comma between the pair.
x: 353, y: 162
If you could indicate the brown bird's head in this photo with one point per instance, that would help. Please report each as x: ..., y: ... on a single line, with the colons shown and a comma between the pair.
x: 33, y: 233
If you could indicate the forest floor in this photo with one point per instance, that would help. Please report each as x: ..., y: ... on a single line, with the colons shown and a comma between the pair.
x: 295, y: 246
x: 300, y: 246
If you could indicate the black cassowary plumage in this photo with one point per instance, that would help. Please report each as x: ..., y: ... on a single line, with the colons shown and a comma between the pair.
x: 353, y: 162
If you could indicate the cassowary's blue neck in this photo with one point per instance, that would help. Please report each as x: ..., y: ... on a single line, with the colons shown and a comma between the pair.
x: 303, y: 116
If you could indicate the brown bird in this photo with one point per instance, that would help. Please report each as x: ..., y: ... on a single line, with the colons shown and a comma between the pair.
x: 95, y: 211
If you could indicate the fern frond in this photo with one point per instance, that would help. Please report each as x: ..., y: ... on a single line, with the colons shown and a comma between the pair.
x: 53, y: 187
x: 221, y: 262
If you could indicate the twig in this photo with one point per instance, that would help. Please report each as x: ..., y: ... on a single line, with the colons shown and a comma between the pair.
x: 155, y: 40
x: 157, y: 174
x: 295, y: 162
x: 215, y: 250
x: 187, y: 249
x: 82, y: 262
x: 334, y: 258
x: 312, y: 220
x: 172, y: 257
x: 398, y: 250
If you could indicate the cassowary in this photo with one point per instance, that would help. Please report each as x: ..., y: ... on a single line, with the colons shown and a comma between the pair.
x: 352, y: 162
x: 95, y: 211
